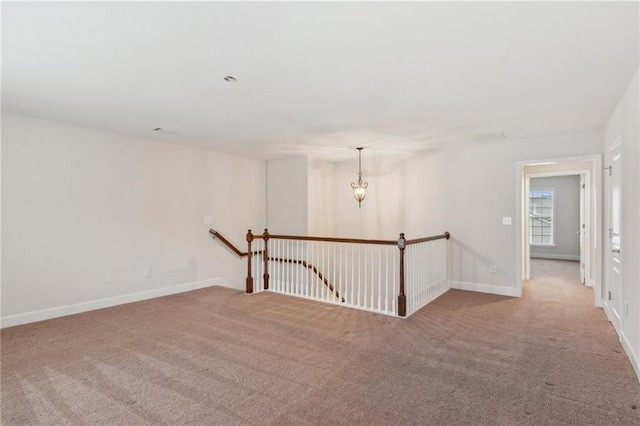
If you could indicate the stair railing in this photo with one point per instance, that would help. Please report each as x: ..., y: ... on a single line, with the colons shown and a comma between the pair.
x: 360, y: 273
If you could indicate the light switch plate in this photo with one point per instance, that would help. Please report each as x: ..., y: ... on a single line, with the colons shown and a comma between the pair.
x: 208, y: 220
x: 506, y: 221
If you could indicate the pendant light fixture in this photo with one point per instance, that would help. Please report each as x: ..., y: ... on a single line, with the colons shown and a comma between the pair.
x: 359, y: 189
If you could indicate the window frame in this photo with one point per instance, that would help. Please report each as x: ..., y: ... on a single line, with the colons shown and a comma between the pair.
x: 553, y: 217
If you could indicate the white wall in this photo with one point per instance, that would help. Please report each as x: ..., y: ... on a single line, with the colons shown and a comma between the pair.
x: 79, y: 203
x: 300, y: 196
x: 382, y: 212
x: 625, y: 122
x: 465, y: 191
x: 566, y: 218
x: 287, y: 196
x: 321, y: 197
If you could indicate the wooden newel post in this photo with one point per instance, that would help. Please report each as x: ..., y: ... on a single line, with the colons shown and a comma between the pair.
x: 265, y: 253
x: 402, y: 298
x: 249, y: 277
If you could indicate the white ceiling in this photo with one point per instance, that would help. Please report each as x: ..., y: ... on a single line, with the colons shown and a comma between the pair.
x: 320, y: 78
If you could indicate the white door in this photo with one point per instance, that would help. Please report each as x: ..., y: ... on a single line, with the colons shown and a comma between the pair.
x: 614, y: 264
x: 582, y: 229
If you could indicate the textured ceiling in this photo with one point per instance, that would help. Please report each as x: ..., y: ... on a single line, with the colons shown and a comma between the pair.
x: 319, y: 78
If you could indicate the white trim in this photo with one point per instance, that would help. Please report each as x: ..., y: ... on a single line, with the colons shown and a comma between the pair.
x: 595, y: 231
x: 555, y: 256
x: 76, y: 308
x: 616, y: 142
x: 486, y: 288
x: 630, y: 354
x: 612, y: 316
x: 611, y: 308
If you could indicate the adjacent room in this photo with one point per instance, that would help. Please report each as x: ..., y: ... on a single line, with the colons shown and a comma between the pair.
x: 320, y: 213
x: 556, y: 228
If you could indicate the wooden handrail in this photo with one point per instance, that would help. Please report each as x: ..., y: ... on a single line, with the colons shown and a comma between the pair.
x: 226, y: 242
x: 216, y: 234
x: 241, y: 254
x: 401, y: 243
x: 313, y: 269
x: 233, y: 248
x: 334, y: 240
x: 446, y: 236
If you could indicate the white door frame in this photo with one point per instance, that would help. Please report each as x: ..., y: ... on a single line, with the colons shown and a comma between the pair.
x: 612, y: 309
x: 587, y: 218
x: 595, y: 246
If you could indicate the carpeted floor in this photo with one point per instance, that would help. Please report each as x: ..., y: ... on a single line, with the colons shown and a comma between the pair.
x: 217, y: 356
x: 551, y: 270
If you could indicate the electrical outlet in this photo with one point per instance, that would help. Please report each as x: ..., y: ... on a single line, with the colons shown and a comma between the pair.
x: 506, y: 221
x: 107, y: 277
x: 147, y: 272
x: 493, y: 268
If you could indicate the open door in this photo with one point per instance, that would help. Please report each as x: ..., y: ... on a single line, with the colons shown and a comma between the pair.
x: 582, y: 229
x: 614, y: 260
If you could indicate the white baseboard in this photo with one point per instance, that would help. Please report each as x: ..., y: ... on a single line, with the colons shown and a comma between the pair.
x: 76, y: 308
x: 599, y: 303
x: 613, y: 318
x: 630, y: 354
x: 486, y: 288
x: 555, y: 256
x: 615, y: 321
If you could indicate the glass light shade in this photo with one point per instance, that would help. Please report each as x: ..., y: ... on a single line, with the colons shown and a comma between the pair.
x: 359, y: 190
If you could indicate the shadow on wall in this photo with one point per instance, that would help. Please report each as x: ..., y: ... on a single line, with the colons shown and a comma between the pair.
x: 469, y: 265
x: 185, y: 275
x: 389, y: 214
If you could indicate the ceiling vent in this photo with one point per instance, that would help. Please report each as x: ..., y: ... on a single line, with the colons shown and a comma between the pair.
x: 164, y: 131
x: 489, y: 137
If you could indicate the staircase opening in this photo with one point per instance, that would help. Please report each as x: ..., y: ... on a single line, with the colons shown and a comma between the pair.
x: 393, y: 277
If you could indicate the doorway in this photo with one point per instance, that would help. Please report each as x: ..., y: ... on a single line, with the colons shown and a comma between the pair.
x: 537, y: 237
x: 556, y: 225
x: 613, y: 297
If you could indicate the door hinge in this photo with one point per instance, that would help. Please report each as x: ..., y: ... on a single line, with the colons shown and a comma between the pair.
x: 609, y: 295
x: 583, y: 186
x: 610, y: 233
x: 583, y: 227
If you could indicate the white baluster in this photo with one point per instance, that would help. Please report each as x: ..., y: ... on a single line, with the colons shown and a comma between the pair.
x: 359, y: 273
x: 299, y: 269
x: 280, y: 266
x: 353, y: 274
x: 379, y: 278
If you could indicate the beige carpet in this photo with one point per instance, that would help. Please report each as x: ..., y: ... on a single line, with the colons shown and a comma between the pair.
x: 559, y: 271
x: 217, y: 356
